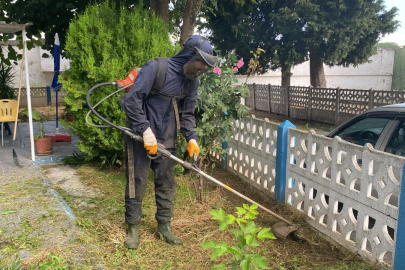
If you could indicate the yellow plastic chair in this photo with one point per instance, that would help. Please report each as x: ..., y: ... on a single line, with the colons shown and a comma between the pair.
x: 8, y: 113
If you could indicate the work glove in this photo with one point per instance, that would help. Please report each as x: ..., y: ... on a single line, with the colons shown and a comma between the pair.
x: 149, y: 141
x: 192, y: 146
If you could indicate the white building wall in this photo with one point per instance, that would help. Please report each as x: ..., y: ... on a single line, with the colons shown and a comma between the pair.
x: 40, y: 69
x: 377, y: 74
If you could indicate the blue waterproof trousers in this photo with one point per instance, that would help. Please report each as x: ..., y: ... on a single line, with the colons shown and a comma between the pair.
x: 165, y: 186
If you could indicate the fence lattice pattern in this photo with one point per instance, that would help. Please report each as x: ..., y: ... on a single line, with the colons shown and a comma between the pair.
x: 38, y: 92
x: 252, y: 153
x: 328, y: 105
x: 349, y: 192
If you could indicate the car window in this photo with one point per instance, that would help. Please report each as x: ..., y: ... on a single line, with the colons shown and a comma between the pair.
x: 367, y: 130
x: 396, y: 144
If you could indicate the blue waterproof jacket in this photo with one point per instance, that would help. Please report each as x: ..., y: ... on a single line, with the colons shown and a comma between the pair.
x: 157, y: 112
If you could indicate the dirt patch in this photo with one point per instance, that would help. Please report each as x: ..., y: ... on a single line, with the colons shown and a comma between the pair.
x: 67, y: 179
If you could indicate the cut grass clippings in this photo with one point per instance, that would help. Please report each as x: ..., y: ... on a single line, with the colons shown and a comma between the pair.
x: 103, y: 231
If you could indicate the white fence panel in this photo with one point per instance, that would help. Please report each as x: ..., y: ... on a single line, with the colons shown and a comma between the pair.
x: 348, y: 192
x: 252, y: 153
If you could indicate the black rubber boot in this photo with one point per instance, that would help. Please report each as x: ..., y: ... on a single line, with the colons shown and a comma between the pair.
x: 165, y: 233
x: 132, y: 241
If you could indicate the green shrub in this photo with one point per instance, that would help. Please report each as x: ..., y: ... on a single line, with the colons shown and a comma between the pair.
x: 6, y: 80
x: 105, y: 44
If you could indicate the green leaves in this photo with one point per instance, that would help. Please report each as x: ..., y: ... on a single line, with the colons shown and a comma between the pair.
x: 230, y: 219
x: 208, y: 244
x: 219, y: 250
x: 105, y: 43
x: 218, y: 106
x: 265, y: 234
x: 259, y: 262
x: 218, y: 214
x: 246, y: 234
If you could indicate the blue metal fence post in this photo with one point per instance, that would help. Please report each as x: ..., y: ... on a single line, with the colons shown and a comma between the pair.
x: 281, y: 160
x: 48, y: 95
x: 224, y: 158
x: 399, y: 259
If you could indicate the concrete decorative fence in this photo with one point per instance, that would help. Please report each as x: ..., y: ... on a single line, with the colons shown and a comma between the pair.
x: 327, y: 105
x: 350, y: 193
x: 40, y: 97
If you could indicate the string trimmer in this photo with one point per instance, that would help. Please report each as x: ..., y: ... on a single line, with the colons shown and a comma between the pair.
x: 280, y: 229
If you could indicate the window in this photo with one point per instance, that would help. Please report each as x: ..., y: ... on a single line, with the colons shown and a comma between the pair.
x: 396, y: 144
x: 367, y: 130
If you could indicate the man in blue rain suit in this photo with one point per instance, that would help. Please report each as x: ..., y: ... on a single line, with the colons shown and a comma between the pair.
x: 157, y: 116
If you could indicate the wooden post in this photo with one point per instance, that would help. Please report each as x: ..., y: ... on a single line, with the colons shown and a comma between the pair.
x: 309, y: 103
x: 337, y: 106
x: 287, y: 101
x: 371, y: 99
x: 254, y: 96
x: 269, y: 96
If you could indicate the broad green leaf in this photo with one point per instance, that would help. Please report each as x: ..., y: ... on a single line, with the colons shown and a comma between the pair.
x: 246, y: 206
x: 244, y: 265
x: 236, y: 232
x: 255, y: 243
x: 240, y: 211
x: 223, y: 226
x: 242, y: 227
x: 259, y: 262
x: 218, y: 251
x: 222, y: 244
x: 230, y: 219
x: 250, y: 215
x: 253, y: 206
x: 249, y: 239
x: 236, y: 251
x: 217, y: 214
x: 265, y: 234
x: 222, y: 213
x: 208, y: 244
x: 250, y: 227
x: 254, y: 211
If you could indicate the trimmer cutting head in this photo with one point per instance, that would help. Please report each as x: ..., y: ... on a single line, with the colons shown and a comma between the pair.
x: 281, y: 229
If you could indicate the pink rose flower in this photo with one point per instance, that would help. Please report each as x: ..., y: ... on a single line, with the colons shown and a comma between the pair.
x: 217, y: 70
x: 240, y: 63
x: 235, y: 69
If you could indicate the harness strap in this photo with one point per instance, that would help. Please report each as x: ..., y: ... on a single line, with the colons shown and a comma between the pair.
x: 130, y: 165
x: 176, y: 112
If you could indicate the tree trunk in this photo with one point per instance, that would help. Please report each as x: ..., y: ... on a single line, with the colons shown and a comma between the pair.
x: 285, y: 76
x: 189, y: 19
x: 160, y: 8
x: 317, y: 73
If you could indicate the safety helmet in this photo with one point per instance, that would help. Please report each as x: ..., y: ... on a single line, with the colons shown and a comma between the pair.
x: 201, y: 62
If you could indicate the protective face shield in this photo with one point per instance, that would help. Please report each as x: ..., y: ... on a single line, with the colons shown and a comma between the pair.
x: 199, y: 64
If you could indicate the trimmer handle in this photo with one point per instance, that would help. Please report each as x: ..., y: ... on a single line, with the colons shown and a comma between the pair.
x: 160, y: 151
x: 161, y: 148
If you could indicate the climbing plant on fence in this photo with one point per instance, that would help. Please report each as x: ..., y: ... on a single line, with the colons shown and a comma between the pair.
x: 105, y: 43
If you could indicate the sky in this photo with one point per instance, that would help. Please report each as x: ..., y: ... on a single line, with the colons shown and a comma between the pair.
x: 399, y: 35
